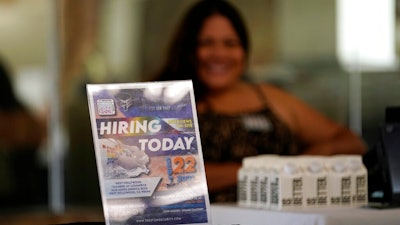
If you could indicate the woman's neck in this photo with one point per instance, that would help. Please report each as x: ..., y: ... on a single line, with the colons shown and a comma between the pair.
x: 238, y: 98
x: 226, y: 92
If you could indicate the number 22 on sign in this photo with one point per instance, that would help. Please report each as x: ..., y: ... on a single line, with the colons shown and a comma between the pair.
x: 179, y: 166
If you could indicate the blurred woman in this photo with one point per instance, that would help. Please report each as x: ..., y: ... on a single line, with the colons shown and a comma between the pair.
x: 238, y: 118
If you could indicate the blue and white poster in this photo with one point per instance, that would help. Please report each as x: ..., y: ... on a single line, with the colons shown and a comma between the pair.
x: 148, y: 153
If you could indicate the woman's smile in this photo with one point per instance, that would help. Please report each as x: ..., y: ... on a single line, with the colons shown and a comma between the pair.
x: 220, y: 54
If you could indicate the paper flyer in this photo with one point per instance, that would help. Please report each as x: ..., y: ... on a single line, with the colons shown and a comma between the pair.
x: 148, y: 153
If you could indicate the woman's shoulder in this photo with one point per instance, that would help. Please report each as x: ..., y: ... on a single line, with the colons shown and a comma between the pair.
x: 281, y: 102
x: 272, y: 91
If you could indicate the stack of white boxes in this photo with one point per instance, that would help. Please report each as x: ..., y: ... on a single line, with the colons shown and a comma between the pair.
x: 280, y: 182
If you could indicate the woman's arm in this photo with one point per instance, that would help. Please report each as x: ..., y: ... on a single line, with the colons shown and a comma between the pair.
x: 343, y: 142
x: 318, y: 134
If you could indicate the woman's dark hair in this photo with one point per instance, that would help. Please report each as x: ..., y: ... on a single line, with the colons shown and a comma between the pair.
x: 181, y: 57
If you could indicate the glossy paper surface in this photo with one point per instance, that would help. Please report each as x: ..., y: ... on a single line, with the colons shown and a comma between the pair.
x: 148, y: 153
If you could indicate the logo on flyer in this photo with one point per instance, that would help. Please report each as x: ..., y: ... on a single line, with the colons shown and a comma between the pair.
x: 106, y: 107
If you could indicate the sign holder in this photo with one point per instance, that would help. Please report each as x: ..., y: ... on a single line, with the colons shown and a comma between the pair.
x: 148, y: 153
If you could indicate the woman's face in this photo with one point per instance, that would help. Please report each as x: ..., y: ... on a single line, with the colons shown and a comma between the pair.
x: 220, y: 55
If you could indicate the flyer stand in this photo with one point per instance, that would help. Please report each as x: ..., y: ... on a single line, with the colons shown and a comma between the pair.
x: 148, y: 153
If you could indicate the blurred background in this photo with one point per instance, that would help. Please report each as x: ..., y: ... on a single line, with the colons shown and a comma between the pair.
x: 340, y: 56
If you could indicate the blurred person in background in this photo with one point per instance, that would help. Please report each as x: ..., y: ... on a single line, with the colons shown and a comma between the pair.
x: 239, y: 118
x: 22, y: 179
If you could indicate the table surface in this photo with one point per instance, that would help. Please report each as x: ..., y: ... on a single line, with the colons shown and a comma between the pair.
x: 231, y: 214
